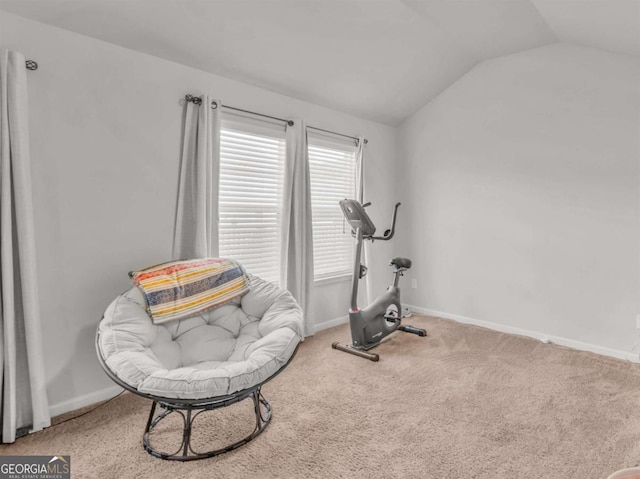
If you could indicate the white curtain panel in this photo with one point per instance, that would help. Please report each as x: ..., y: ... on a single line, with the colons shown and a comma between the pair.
x: 296, y: 273
x: 23, y: 402
x: 359, y: 177
x: 196, y: 223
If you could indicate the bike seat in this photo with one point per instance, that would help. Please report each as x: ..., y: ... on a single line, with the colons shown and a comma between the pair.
x: 401, y: 262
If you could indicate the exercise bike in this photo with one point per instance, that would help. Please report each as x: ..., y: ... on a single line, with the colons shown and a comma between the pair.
x: 383, y: 316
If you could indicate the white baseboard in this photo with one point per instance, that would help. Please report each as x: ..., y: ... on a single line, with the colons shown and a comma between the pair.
x: 331, y: 323
x: 570, y: 343
x: 84, y: 400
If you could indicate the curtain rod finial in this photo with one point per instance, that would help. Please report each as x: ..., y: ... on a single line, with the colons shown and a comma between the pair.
x: 193, y: 99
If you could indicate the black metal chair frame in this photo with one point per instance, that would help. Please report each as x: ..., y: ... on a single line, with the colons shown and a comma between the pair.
x: 187, y: 407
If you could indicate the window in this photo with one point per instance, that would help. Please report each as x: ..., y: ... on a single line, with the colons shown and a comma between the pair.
x: 332, y: 170
x: 251, y: 173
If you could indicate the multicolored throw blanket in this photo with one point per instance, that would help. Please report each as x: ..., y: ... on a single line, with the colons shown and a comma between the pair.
x: 181, y: 289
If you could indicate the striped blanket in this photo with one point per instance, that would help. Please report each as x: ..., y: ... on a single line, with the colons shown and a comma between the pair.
x: 180, y: 289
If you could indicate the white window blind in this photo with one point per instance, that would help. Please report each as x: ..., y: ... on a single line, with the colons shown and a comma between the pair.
x: 332, y: 169
x: 251, y: 172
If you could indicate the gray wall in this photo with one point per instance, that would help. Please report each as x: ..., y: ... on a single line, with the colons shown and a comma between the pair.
x: 523, y: 184
x: 520, y: 190
x: 105, y: 142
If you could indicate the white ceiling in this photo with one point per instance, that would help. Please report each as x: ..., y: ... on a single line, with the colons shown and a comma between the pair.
x: 612, y: 25
x: 377, y: 59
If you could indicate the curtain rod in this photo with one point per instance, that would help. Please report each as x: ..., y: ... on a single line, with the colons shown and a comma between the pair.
x: 31, y: 65
x: 196, y: 101
x: 336, y: 133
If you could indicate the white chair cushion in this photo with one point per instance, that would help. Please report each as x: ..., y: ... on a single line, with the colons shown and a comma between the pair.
x: 221, y: 351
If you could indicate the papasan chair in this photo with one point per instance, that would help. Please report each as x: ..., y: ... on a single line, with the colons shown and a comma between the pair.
x: 198, y: 335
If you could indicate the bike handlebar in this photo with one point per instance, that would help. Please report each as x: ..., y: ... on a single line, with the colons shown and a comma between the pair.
x: 388, y: 234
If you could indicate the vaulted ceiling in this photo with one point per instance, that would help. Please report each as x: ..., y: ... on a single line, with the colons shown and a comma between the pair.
x: 377, y: 59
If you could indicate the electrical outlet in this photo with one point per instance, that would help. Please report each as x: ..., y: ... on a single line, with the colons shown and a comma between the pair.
x: 637, y: 321
x: 414, y: 285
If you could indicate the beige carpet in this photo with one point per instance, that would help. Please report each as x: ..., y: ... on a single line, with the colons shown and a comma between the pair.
x: 464, y: 402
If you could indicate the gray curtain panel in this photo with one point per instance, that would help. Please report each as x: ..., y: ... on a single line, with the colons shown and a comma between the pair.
x: 195, y: 232
x: 296, y: 273
x: 359, y: 177
x: 23, y: 402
